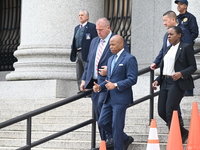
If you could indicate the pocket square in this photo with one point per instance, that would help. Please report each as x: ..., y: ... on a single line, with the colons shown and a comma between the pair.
x: 121, y: 64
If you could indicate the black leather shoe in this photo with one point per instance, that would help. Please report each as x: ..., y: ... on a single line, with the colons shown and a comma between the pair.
x: 185, y: 136
x: 109, y: 142
x: 127, y: 142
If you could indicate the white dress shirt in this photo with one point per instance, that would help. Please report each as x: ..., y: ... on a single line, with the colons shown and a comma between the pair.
x: 105, y: 43
x: 169, y: 60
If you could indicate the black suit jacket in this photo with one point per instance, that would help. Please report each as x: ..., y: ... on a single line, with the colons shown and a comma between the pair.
x: 89, y: 33
x: 185, y: 63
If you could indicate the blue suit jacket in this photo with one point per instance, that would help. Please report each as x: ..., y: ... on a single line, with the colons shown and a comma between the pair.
x: 89, y: 67
x: 89, y: 33
x: 186, y: 39
x: 125, y: 73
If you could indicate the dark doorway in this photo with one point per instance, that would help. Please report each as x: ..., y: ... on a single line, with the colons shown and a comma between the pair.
x: 119, y: 14
x: 10, y: 14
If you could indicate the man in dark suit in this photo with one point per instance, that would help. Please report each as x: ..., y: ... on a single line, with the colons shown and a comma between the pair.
x: 83, y: 35
x: 96, y: 64
x: 121, y: 75
x: 175, y: 77
x: 93, y: 64
x: 169, y: 20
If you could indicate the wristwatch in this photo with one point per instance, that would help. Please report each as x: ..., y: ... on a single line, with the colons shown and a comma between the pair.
x: 115, y: 84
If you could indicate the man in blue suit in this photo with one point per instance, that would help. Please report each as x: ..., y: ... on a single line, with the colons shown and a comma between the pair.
x: 83, y: 35
x: 94, y: 68
x: 91, y: 71
x: 122, y: 74
x: 169, y: 20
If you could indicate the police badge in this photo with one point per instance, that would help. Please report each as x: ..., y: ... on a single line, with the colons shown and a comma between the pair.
x: 185, y: 19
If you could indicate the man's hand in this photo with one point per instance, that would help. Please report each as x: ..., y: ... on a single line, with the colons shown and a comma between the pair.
x: 153, y: 66
x: 110, y: 85
x: 154, y: 85
x: 82, y: 85
x: 103, y: 71
x: 96, y: 87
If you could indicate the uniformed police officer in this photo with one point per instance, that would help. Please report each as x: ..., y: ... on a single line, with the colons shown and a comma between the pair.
x: 186, y: 19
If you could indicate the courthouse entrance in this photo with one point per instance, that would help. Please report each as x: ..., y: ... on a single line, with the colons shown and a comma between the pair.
x: 117, y: 11
x: 119, y: 14
x: 9, y: 32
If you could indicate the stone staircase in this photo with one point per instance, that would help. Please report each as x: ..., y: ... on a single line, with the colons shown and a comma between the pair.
x: 137, y: 124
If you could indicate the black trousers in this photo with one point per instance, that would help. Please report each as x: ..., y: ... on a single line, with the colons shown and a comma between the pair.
x: 169, y: 99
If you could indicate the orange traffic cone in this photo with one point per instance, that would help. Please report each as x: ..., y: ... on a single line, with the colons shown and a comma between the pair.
x: 102, y: 145
x: 153, y: 142
x: 174, y: 137
x: 194, y: 131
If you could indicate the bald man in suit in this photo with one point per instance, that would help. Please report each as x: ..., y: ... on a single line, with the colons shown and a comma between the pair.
x: 122, y: 74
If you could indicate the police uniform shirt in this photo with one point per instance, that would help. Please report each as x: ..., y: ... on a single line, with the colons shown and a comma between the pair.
x: 188, y: 21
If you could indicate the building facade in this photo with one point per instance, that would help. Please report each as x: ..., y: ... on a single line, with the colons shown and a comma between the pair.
x: 43, y: 40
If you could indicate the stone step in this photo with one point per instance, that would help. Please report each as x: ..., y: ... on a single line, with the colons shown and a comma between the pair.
x: 85, y: 134
x: 142, y: 146
x: 14, y: 148
x: 53, y: 144
x: 54, y: 124
x: 82, y: 145
x: 137, y: 124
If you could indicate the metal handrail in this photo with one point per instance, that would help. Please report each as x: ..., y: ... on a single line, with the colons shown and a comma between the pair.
x: 28, y: 116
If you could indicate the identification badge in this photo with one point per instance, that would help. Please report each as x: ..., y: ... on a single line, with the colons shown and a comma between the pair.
x: 88, y: 36
x: 185, y: 19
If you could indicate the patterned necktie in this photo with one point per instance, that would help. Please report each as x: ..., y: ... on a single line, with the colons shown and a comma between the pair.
x: 113, y: 63
x: 98, y: 56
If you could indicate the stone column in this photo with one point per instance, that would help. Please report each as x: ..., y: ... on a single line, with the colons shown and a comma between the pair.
x: 147, y: 29
x: 193, y: 7
x: 46, y: 34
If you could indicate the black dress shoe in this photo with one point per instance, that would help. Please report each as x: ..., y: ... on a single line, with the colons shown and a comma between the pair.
x: 127, y: 142
x: 109, y: 142
x: 185, y: 136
